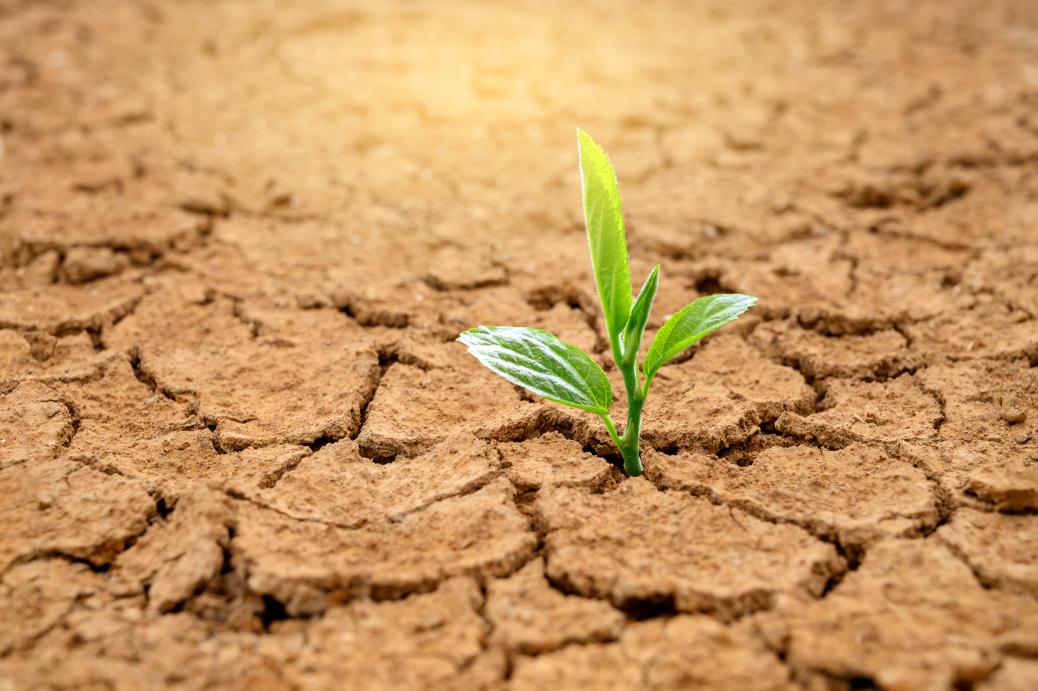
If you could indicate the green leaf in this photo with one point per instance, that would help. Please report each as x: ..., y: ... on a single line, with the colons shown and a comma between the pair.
x: 542, y: 363
x: 704, y: 316
x: 605, y: 235
x: 635, y: 329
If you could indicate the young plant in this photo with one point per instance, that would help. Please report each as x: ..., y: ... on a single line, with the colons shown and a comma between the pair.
x: 562, y: 372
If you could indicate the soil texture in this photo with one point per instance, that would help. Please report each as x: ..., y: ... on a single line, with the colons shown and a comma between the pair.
x: 240, y: 448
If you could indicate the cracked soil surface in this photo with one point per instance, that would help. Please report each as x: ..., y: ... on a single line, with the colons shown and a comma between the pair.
x: 239, y: 447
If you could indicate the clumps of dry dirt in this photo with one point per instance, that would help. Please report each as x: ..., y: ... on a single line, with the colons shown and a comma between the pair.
x: 639, y: 546
x: 239, y: 447
x: 255, y: 392
x: 475, y: 534
x: 60, y: 309
x: 1001, y: 549
x: 38, y: 596
x: 433, y: 640
x: 44, y: 358
x: 852, y: 496
x: 1015, y: 674
x: 337, y: 486
x: 985, y: 475
x: 536, y: 463
x: 877, y: 355
x: 58, y: 508
x: 125, y: 428
x: 530, y: 617
x: 987, y: 400
x: 913, y: 616
x: 38, y: 423
x: 414, y: 409
x: 872, y: 412
x: 990, y: 328
x: 177, y: 558
x: 677, y: 653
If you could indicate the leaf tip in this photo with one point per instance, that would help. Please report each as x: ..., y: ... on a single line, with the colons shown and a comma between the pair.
x: 743, y: 303
x: 469, y: 336
x: 585, y: 142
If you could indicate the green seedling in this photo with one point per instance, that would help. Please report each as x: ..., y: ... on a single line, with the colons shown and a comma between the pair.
x: 562, y: 372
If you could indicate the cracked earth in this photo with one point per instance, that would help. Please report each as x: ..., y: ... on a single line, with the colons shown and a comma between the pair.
x: 239, y: 447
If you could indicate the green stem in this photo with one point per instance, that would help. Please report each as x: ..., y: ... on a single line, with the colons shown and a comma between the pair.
x: 611, y: 428
x: 629, y: 444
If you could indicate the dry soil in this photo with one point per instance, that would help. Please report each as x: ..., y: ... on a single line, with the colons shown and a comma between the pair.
x: 239, y: 447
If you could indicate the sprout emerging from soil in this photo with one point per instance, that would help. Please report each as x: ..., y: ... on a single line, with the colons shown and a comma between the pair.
x: 562, y: 372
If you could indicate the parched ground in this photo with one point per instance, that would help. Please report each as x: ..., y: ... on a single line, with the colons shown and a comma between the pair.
x: 239, y: 447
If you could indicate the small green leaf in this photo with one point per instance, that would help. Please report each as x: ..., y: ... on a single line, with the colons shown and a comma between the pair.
x: 635, y: 329
x: 693, y: 322
x: 542, y: 363
x: 605, y: 234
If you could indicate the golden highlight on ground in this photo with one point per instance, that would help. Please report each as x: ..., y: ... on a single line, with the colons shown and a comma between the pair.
x: 240, y: 447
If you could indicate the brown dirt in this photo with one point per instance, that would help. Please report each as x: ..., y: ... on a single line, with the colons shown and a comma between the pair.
x: 240, y: 449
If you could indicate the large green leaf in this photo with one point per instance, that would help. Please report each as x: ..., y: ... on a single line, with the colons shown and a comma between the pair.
x: 542, y: 363
x: 635, y: 328
x: 605, y: 234
x: 693, y: 322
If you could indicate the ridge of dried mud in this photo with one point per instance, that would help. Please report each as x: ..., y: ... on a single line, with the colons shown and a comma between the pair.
x: 240, y: 449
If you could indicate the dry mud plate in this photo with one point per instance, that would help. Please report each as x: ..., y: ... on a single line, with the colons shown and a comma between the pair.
x: 240, y: 448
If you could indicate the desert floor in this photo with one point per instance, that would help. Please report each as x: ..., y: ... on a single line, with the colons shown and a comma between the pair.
x: 240, y: 448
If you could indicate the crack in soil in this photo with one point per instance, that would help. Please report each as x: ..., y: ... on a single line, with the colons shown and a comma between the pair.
x: 941, y: 403
x: 241, y: 496
x: 385, y: 361
x: 146, y: 378
x: 851, y: 554
x: 71, y: 326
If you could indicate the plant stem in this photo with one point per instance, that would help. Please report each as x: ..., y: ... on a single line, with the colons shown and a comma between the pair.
x: 611, y: 428
x: 630, y: 442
